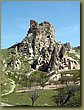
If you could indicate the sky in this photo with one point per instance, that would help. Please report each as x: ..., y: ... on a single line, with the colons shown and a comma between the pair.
x: 16, y: 16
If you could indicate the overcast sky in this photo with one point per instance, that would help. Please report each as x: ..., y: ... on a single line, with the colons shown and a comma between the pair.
x: 64, y: 16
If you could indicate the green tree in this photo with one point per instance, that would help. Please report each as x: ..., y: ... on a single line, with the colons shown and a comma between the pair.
x: 64, y: 96
x: 38, y: 78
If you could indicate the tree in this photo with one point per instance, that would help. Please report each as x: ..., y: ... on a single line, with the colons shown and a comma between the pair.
x: 23, y: 81
x: 33, y: 94
x: 43, y: 79
x: 38, y: 78
x: 62, y: 97
x: 65, y: 94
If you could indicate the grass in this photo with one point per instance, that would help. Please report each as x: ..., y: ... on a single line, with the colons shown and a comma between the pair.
x: 19, y: 99
x: 6, y: 86
x: 45, y: 98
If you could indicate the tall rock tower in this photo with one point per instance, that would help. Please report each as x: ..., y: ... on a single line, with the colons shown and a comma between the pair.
x: 39, y: 46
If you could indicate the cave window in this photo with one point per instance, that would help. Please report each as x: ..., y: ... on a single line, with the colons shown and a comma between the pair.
x: 29, y: 54
x: 48, y: 36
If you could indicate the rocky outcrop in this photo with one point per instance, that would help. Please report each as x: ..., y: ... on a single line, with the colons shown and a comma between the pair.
x: 42, y: 51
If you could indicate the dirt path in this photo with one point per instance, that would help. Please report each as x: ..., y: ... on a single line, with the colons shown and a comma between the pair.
x: 5, y: 104
x: 12, y: 88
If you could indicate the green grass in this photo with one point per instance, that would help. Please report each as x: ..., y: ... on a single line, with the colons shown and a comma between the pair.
x: 19, y: 99
x: 46, y: 98
x: 6, y: 86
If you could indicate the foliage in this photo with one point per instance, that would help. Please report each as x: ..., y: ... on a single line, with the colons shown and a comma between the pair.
x: 66, y: 95
x: 39, y: 78
x: 69, y: 96
x: 74, y: 100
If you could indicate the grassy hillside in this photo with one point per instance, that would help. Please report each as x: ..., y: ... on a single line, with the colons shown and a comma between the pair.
x: 27, y: 77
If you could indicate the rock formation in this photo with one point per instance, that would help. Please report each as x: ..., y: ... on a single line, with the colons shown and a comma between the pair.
x: 42, y: 51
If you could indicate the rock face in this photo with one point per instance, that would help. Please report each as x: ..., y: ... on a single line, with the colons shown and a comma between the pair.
x: 42, y: 51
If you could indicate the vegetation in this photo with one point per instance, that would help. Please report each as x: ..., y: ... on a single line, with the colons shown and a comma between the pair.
x: 26, y: 78
x: 69, y: 96
x: 5, y: 86
x: 39, y: 78
x: 17, y: 98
